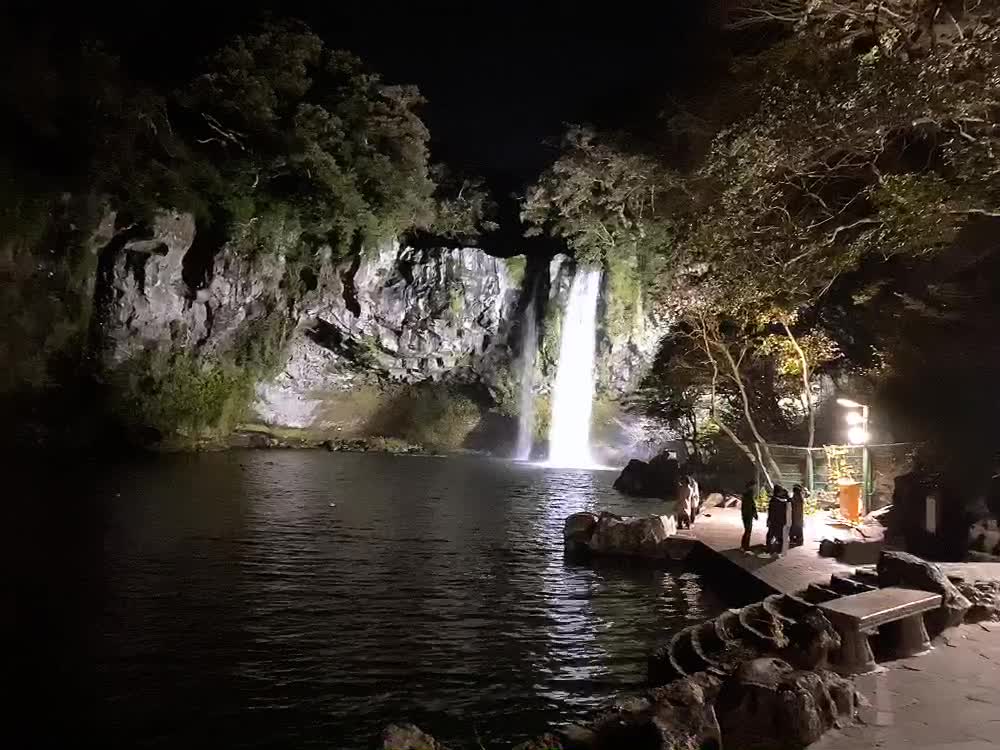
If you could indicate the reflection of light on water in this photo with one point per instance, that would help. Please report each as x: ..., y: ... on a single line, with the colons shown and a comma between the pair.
x: 572, y: 655
x: 690, y: 588
x: 562, y: 467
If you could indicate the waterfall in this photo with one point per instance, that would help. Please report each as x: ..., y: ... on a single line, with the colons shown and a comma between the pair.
x: 573, y: 392
x: 526, y: 363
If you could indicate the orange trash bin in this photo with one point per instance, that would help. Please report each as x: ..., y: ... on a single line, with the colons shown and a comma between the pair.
x: 850, y: 500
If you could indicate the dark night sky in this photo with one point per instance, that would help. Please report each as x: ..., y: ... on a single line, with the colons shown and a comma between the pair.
x: 502, y: 79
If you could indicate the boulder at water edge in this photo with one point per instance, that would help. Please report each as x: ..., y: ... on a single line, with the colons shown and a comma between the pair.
x: 677, y: 716
x: 577, y: 531
x: 658, y: 478
x: 637, y: 536
x: 903, y: 569
x: 768, y: 705
x: 634, y: 479
x: 545, y: 742
x: 408, y: 737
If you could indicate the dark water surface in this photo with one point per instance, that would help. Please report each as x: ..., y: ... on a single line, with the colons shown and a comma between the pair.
x: 220, y: 599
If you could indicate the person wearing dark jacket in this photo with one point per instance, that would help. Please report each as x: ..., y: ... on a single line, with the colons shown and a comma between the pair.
x: 748, y: 509
x: 795, y: 533
x: 777, y: 517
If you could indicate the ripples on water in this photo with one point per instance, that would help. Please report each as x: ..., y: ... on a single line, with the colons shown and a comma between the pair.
x: 228, y: 602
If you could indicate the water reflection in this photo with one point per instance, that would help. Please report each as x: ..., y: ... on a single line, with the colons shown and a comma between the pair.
x: 233, y: 597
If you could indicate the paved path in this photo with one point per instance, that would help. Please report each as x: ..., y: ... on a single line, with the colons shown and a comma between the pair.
x: 972, y: 571
x: 948, y: 699
x: 721, y: 528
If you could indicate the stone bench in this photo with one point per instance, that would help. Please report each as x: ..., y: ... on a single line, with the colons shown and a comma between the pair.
x: 898, y: 611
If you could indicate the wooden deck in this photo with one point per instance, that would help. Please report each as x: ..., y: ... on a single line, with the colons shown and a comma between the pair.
x: 720, y: 530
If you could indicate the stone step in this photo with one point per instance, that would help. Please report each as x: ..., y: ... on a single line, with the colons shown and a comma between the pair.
x: 845, y: 586
x: 866, y: 574
x: 816, y: 594
x: 707, y: 643
x: 728, y: 626
x: 684, y: 654
x: 776, y: 607
x: 763, y: 626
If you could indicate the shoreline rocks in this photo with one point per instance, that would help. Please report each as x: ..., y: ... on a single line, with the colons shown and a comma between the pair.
x: 766, y: 704
x: 408, y: 737
x: 606, y: 534
x: 753, y: 678
x: 780, y: 625
x: 659, y: 478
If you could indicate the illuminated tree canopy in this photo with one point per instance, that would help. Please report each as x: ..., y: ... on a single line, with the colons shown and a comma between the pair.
x: 861, y: 133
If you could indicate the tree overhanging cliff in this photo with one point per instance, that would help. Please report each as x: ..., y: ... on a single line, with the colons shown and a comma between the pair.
x: 851, y: 151
x: 287, y: 156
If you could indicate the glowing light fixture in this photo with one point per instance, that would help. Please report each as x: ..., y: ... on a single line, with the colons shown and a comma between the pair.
x: 857, y: 435
x: 849, y: 404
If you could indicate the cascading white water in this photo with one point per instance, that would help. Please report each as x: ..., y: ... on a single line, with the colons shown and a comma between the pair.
x: 573, y: 392
x: 529, y: 353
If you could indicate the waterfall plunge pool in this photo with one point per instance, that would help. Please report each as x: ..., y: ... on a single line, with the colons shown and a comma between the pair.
x: 188, y: 597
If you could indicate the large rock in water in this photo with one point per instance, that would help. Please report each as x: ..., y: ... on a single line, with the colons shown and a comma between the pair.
x: 407, y: 737
x: 640, y: 535
x: 577, y: 532
x: 903, y: 569
x: 633, y: 479
x: 658, y: 478
x: 768, y: 705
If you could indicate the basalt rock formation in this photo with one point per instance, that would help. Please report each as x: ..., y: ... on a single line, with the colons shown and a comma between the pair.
x: 324, y: 339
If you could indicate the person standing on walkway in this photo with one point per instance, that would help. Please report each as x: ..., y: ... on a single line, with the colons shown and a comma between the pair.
x: 777, y: 518
x: 795, y: 533
x: 748, y: 509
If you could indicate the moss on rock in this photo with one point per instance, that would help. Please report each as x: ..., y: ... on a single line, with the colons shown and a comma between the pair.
x: 516, y: 267
x: 185, y: 402
x: 433, y: 415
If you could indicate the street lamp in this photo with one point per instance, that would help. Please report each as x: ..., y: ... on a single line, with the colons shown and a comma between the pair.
x: 857, y: 434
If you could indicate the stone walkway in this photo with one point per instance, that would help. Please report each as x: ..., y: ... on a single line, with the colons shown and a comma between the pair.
x: 721, y: 529
x: 947, y: 699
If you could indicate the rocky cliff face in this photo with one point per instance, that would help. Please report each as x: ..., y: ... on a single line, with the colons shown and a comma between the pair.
x: 395, y: 314
x: 403, y: 314
x: 391, y: 315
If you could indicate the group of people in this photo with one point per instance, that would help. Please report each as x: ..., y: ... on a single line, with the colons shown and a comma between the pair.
x: 782, y: 511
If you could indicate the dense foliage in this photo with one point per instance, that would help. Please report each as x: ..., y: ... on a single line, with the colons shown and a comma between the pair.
x: 601, y: 197
x: 435, y: 416
x: 861, y: 133
x: 611, y: 204
x: 282, y: 149
x: 295, y: 127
